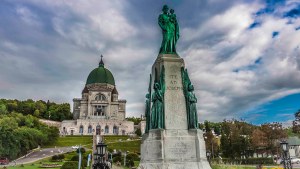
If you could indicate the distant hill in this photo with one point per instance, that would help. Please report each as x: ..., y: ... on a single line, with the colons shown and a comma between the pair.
x: 40, y: 109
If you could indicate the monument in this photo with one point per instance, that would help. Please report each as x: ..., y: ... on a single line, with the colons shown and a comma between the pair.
x: 172, y: 138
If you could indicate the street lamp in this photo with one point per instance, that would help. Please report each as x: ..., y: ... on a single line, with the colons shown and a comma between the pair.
x: 101, y: 149
x: 286, y: 155
x: 100, y: 162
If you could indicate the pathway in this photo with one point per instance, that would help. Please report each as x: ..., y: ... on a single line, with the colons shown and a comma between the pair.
x: 40, y: 154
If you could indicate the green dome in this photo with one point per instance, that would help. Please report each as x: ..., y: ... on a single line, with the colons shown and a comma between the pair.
x: 100, y: 75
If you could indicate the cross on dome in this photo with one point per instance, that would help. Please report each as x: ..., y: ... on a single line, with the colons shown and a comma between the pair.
x: 101, y: 63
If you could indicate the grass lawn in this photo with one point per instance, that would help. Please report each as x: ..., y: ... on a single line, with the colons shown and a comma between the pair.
x: 35, y: 165
x: 109, y: 139
x: 72, y: 141
x: 131, y: 146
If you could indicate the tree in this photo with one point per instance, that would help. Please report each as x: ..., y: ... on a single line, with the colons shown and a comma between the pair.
x: 3, y: 109
x: 259, y: 140
x: 274, y: 132
x: 296, y: 123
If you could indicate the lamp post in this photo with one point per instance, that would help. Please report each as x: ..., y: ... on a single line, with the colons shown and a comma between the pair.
x: 286, y: 155
x: 99, y: 156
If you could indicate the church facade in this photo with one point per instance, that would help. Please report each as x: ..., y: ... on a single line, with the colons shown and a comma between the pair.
x: 99, y: 110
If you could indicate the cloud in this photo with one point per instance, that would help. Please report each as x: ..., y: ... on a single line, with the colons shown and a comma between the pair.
x: 49, y: 47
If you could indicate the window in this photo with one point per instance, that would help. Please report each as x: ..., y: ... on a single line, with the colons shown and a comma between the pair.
x: 100, y: 97
x: 116, y: 130
x: 98, y: 130
x: 90, y: 129
x: 81, y: 129
x: 106, y: 129
x: 99, y: 110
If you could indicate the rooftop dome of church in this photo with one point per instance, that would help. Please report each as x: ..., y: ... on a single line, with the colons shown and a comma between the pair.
x: 100, y: 75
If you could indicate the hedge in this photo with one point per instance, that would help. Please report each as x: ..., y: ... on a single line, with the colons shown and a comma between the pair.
x: 251, y: 161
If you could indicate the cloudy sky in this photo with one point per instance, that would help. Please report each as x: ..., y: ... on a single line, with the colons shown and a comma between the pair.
x: 243, y: 56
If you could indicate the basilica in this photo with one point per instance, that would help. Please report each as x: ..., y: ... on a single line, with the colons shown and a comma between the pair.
x: 99, y: 111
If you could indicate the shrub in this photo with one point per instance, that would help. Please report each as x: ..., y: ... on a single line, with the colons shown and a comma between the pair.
x: 129, y: 161
x: 70, y: 165
x: 82, y: 150
x: 61, y: 156
x: 75, y: 158
x: 251, y: 161
x: 117, y: 158
x: 54, y: 158
x: 134, y: 156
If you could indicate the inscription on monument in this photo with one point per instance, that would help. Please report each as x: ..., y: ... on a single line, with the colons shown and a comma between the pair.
x: 173, y: 83
x: 180, y: 149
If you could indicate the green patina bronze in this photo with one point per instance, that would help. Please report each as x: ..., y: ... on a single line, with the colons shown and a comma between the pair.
x: 190, y: 100
x: 170, y: 30
x: 100, y: 75
x: 157, y: 110
x: 148, y: 108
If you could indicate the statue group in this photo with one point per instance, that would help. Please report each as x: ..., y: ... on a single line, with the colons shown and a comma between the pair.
x: 155, y: 117
x: 170, y: 30
x: 172, y: 138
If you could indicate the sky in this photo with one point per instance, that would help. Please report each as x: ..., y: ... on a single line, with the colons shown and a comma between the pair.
x: 243, y: 56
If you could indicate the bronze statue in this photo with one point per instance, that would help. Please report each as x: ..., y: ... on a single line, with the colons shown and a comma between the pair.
x: 157, y: 110
x: 190, y: 100
x: 148, y: 108
x: 170, y: 30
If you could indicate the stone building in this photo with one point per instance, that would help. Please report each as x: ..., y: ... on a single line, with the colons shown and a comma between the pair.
x: 99, y: 110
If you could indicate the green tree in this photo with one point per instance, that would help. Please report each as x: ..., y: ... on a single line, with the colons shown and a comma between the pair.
x: 296, y: 123
x: 138, y: 132
x: 3, y: 109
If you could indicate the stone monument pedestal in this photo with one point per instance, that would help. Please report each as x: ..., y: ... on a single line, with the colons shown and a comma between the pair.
x: 175, y: 146
x: 173, y: 149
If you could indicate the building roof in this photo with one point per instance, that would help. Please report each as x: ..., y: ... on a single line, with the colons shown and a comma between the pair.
x: 293, y: 141
x: 100, y: 75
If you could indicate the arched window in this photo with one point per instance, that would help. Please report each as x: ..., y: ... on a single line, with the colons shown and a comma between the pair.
x: 98, y: 130
x: 81, y: 129
x: 116, y: 130
x: 100, y: 97
x: 106, y: 129
x: 90, y: 129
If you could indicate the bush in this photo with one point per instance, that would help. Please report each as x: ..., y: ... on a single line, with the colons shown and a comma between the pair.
x: 251, y: 161
x: 134, y: 156
x: 82, y: 150
x: 70, y: 165
x: 118, y: 154
x: 75, y: 158
x: 61, y: 156
x: 83, y: 160
x: 117, y: 158
x: 54, y: 158
x: 129, y: 161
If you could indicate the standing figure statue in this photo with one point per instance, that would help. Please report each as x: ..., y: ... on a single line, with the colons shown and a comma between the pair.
x: 147, y: 113
x: 170, y: 30
x: 157, y: 110
x: 190, y: 100
x: 148, y: 107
